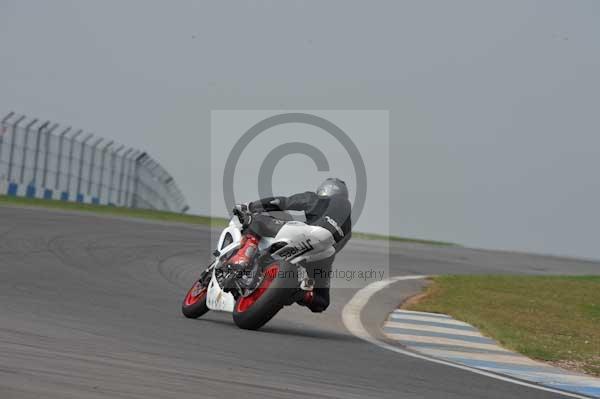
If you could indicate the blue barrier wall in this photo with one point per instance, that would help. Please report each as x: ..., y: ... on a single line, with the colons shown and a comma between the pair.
x: 40, y: 159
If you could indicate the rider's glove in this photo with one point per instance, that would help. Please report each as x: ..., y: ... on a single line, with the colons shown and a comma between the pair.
x: 240, y: 209
x: 243, y: 213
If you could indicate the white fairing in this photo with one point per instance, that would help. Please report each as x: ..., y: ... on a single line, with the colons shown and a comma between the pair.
x: 217, y: 299
x: 235, y: 230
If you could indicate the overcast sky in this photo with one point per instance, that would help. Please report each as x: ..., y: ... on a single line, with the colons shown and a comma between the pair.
x: 493, y: 105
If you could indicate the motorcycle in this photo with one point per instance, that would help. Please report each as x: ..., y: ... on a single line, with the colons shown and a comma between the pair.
x: 275, y: 278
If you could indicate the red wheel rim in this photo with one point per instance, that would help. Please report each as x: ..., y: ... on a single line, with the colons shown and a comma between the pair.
x: 247, y: 302
x: 195, y: 294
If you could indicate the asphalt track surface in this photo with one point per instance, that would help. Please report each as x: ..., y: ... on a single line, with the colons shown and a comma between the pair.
x: 90, y: 308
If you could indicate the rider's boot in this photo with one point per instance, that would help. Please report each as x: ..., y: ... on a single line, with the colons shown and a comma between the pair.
x: 314, y: 301
x: 246, y: 253
x: 307, y: 298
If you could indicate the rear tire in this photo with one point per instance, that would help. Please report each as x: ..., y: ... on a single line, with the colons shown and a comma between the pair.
x: 194, y: 303
x: 275, y: 291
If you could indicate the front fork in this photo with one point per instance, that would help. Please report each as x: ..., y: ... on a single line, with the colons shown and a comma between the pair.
x: 207, y: 274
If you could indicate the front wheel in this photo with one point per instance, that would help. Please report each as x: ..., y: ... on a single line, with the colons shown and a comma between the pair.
x: 194, y: 303
x: 278, y: 285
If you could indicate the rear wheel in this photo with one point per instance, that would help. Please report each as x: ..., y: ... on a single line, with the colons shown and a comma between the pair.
x: 278, y: 285
x: 194, y: 303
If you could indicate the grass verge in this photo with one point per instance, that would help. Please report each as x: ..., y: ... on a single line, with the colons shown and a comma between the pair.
x: 549, y: 318
x: 115, y: 211
x: 371, y: 236
x: 172, y: 217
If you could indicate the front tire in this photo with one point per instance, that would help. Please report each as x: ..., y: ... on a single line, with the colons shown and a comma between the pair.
x: 255, y: 310
x: 194, y: 303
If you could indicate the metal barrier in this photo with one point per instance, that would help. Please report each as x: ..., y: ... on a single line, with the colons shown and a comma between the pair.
x: 41, y: 160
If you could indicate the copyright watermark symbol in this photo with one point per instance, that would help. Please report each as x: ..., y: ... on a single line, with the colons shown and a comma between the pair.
x: 267, y: 169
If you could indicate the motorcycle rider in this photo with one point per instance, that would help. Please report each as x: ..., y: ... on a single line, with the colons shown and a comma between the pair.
x: 328, y: 207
